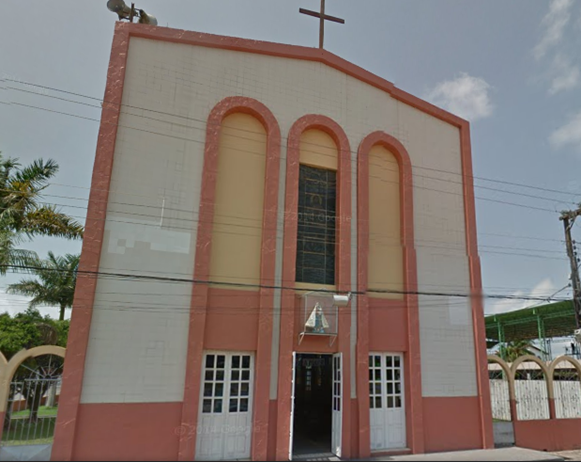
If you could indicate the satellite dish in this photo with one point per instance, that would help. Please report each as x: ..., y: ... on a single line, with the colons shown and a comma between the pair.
x: 145, y: 18
x: 120, y: 8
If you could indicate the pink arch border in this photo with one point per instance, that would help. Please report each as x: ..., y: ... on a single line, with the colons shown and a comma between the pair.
x: 343, y: 272
x: 190, y: 407
x: 412, y: 370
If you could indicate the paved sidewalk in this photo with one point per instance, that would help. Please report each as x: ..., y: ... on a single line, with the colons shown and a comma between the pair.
x: 502, y: 454
x: 570, y: 455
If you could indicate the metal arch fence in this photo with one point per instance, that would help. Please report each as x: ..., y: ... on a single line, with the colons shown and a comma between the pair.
x: 29, y: 393
x: 31, y: 412
x: 532, y: 389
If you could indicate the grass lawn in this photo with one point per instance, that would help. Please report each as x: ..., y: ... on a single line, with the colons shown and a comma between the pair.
x: 23, y: 432
x: 43, y: 411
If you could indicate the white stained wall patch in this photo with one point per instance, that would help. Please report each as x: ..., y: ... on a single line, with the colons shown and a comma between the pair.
x: 124, y: 236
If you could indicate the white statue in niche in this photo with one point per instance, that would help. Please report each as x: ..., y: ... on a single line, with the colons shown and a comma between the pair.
x: 317, y: 322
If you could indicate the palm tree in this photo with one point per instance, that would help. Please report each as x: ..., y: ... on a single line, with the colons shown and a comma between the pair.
x: 55, y: 284
x: 22, y: 215
x: 514, y: 350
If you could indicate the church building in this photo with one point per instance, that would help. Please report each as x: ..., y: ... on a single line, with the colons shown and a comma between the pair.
x: 280, y: 259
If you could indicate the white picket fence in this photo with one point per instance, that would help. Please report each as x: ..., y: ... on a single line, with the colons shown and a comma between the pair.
x: 500, y: 399
x: 532, y: 401
x: 567, y: 399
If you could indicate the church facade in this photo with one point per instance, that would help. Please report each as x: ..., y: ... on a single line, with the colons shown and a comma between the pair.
x: 279, y: 255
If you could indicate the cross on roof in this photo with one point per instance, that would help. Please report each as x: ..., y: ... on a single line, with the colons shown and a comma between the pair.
x: 323, y: 17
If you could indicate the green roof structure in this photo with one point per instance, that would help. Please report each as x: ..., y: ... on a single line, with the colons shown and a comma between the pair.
x: 535, y: 323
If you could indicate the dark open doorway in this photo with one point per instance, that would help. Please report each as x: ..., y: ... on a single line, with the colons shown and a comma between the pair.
x: 312, y: 425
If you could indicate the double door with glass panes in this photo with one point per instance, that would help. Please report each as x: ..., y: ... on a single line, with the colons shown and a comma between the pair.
x: 386, y: 401
x: 224, y: 428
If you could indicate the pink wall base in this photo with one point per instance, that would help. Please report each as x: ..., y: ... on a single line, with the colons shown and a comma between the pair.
x: 452, y: 424
x: 548, y: 435
x: 143, y: 431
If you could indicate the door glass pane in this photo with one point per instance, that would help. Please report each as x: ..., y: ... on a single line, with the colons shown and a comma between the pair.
x: 235, y: 362
x: 207, y: 406
x: 246, y: 362
x: 219, y: 376
x: 209, y: 375
x: 245, y: 375
x: 244, y: 390
x: 217, y: 406
x: 233, y: 389
x: 219, y: 389
x: 244, y: 405
x: 208, y: 389
x: 233, y: 405
x: 209, y: 361
x: 235, y: 375
x: 221, y: 362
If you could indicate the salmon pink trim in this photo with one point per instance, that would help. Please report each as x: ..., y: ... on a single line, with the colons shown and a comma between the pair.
x: 412, y: 363
x: 343, y: 271
x: 96, y: 215
x: 476, y: 290
x: 231, y: 105
x: 74, y: 367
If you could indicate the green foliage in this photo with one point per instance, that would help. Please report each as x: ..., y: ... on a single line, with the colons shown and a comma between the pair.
x: 514, y: 350
x: 55, y: 286
x: 29, y: 329
x: 22, y: 215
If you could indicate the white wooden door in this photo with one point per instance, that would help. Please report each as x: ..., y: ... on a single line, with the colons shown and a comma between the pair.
x: 292, y: 413
x: 337, y: 404
x: 224, y: 429
x: 386, y: 401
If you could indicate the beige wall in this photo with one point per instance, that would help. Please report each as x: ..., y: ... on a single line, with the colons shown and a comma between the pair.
x: 317, y: 149
x: 137, y: 344
x: 237, y: 230
x: 385, y: 264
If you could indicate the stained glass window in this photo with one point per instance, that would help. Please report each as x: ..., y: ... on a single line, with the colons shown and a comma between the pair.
x: 316, y: 225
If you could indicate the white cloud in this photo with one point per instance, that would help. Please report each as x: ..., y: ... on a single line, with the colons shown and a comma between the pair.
x: 545, y: 288
x: 565, y: 75
x: 465, y: 96
x: 554, y: 24
x: 568, y: 134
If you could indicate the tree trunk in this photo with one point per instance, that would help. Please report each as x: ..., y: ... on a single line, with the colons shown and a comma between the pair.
x: 62, y: 314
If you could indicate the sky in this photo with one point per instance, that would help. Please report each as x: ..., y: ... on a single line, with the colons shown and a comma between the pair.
x: 511, y: 68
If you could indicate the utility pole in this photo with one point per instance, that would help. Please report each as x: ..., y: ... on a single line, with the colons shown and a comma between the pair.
x: 568, y: 219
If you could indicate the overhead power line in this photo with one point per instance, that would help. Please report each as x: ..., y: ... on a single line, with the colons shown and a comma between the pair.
x: 128, y: 276
x: 205, y: 122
